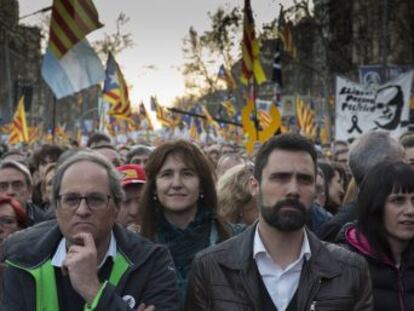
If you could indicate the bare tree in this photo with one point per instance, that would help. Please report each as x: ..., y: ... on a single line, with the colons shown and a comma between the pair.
x: 204, y: 52
x: 114, y: 42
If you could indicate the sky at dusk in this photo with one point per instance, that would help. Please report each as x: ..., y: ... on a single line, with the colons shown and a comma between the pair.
x: 158, y: 28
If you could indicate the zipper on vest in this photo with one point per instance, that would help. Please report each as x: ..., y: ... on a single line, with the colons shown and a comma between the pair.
x: 313, y: 306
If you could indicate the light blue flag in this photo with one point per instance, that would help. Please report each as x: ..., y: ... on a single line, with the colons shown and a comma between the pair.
x: 78, y: 69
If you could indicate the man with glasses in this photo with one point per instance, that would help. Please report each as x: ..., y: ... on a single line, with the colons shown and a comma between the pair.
x: 85, y: 261
x: 16, y: 182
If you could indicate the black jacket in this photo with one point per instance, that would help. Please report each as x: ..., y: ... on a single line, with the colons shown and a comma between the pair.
x: 329, y: 231
x: 36, y: 214
x: 392, y: 287
x: 225, y: 277
x: 150, y: 277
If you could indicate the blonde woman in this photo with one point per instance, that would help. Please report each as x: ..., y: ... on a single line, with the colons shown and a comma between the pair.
x: 235, y: 203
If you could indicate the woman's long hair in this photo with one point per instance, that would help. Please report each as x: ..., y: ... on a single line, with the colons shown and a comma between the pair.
x: 196, y: 160
x: 382, y: 180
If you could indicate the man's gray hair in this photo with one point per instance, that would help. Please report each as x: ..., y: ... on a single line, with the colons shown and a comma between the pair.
x: 371, y: 149
x: 18, y: 167
x: 89, y: 156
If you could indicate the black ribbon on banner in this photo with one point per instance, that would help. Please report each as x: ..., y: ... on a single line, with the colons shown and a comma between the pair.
x: 354, y: 126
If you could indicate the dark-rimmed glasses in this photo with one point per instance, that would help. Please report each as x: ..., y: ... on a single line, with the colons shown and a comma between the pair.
x: 95, y: 201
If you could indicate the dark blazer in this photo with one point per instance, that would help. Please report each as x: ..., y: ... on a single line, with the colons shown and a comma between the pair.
x: 225, y: 277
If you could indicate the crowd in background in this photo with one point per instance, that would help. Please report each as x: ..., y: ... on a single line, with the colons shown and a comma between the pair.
x: 364, y: 199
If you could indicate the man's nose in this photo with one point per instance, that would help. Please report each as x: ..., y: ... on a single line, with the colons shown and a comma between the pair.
x: 9, y: 190
x: 83, y: 208
x: 292, y: 187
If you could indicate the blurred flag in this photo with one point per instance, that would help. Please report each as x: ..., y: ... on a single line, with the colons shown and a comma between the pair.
x: 229, y: 108
x: 144, y: 117
x: 6, y: 128
x: 285, y: 34
x: 19, y: 131
x: 110, y: 129
x: 227, y: 77
x: 305, y: 118
x: 325, y: 132
x: 194, y: 130
x: 79, y: 136
x: 197, y: 123
x: 209, y: 119
x: 163, y: 116
x: 115, y: 90
x: 61, y: 134
x: 251, y: 66
x: 264, y: 118
x: 35, y: 133
x: 70, y: 64
x: 71, y: 21
x: 78, y: 69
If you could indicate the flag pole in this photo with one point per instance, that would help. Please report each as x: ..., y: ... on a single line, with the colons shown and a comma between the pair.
x: 53, y: 118
x: 256, y: 119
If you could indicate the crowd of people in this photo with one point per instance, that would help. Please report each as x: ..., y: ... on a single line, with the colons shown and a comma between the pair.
x: 181, y: 226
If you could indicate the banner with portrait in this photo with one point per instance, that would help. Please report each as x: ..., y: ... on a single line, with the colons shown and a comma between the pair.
x: 360, y: 109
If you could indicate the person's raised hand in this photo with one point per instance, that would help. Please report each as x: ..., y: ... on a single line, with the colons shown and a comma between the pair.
x: 80, y: 264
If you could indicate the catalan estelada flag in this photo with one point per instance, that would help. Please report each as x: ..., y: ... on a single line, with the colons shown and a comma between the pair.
x: 251, y: 66
x: 19, y: 132
x: 115, y: 90
x: 163, y: 116
x: 227, y: 77
x: 71, y: 21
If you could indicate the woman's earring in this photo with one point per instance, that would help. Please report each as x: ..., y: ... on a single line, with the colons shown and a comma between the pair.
x: 201, y: 196
x: 155, y: 197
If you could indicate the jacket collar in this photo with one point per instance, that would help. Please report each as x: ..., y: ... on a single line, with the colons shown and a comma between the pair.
x: 321, y: 262
x: 31, y: 247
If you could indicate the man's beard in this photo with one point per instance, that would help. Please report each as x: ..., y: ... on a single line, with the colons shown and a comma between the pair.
x: 285, y: 220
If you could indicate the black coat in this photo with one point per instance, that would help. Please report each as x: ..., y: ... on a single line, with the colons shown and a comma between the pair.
x: 150, y: 278
x: 392, y: 287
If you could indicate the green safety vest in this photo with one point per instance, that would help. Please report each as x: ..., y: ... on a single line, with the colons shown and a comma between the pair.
x: 45, y: 281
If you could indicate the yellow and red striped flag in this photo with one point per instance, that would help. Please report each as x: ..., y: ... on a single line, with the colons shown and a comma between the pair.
x: 19, y: 131
x: 264, y: 118
x: 35, y: 133
x: 306, y: 119
x: 251, y: 66
x: 115, y: 90
x: 285, y: 34
x: 71, y: 21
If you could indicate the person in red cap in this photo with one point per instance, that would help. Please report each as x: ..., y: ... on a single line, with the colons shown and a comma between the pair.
x: 133, y: 179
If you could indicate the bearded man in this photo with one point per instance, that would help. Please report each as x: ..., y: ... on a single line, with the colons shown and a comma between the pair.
x: 277, y: 264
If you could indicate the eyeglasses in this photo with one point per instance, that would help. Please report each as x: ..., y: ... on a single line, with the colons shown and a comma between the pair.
x: 7, y: 221
x: 16, y: 185
x: 95, y: 201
